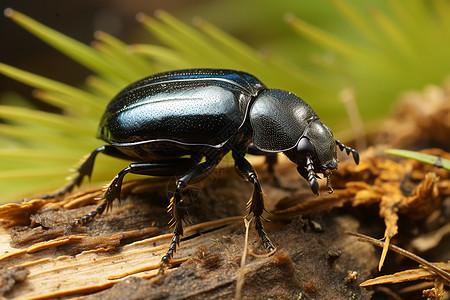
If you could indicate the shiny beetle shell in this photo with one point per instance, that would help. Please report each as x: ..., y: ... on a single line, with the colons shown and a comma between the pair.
x: 182, y: 123
x: 193, y: 107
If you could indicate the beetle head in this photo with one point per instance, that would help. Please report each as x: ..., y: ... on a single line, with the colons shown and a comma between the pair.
x: 282, y: 122
x: 324, y: 144
x: 318, y: 143
x: 314, y: 153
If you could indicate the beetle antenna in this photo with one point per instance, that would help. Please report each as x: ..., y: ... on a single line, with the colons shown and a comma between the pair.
x: 312, y: 175
x: 348, y: 150
x: 328, y: 184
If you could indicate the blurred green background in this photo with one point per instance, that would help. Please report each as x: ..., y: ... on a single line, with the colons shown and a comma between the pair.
x: 350, y: 60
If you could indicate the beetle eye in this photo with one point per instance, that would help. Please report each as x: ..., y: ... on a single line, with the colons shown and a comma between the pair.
x: 304, y: 146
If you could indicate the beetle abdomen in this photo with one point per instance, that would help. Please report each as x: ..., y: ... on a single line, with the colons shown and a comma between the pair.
x: 202, y: 108
x: 205, y: 115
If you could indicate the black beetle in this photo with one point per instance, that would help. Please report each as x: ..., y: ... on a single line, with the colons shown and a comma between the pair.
x: 167, y: 123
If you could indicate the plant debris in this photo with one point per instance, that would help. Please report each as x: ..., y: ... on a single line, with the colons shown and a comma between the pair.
x: 11, y: 276
x: 421, y: 120
x: 399, y: 188
x: 439, y: 273
x: 64, y: 259
x: 135, y: 235
x: 314, y: 259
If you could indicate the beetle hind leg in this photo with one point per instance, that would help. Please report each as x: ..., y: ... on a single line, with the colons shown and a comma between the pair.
x: 85, y: 169
x: 113, y: 189
x: 256, y: 203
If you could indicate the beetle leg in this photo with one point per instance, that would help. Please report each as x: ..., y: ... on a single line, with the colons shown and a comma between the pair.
x: 328, y: 183
x: 312, y: 175
x: 112, y: 192
x: 158, y: 168
x: 271, y: 161
x: 176, y: 208
x: 178, y: 214
x: 256, y: 204
x: 348, y: 150
x: 309, y: 175
x: 85, y: 169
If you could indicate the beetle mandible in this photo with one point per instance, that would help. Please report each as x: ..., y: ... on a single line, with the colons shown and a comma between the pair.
x: 169, y: 122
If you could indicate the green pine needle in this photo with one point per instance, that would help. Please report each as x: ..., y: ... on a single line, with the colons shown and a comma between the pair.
x: 384, y: 51
x: 422, y: 157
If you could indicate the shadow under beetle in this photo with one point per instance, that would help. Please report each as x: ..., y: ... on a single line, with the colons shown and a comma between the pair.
x: 167, y: 123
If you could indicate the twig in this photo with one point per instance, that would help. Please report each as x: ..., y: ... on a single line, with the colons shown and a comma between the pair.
x: 241, y: 272
x: 432, y: 268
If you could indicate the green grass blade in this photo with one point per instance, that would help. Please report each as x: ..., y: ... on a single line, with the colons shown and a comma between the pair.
x: 50, y: 174
x: 199, y: 51
x: 118, y: 62
x: 40, y: 138
x: 167, y: 36
x: 82, y: 98
x: 242, y: 53
x: 196, y: 41
x: 122, y: 52
x: 324, y: 38
x: 268, y: 67
x: 394, y: 34
x: 102, y: 87
x: 67, y: 104
x: 164, y: 56
x: 60, y: 123
x: 54, y: 156
x: 442, y: 9
x: 422, y: 157
x: 79, y: 52
x: 359, y: 21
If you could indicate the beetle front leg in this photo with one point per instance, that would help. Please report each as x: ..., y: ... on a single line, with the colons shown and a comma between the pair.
x: 310, y: 175
x: 256, y: 203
